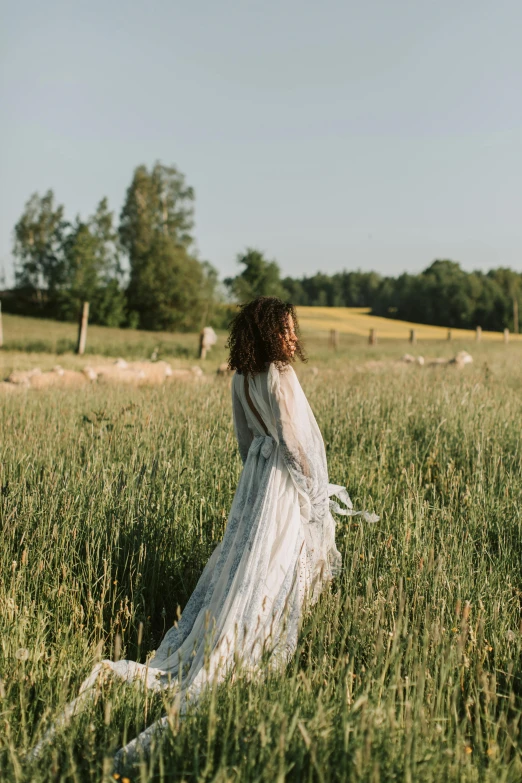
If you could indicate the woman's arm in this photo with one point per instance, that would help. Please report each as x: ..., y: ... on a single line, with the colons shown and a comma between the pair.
x: 243, y: 433
x: 299, y: 438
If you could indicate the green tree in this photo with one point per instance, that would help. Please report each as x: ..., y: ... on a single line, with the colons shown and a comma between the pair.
x: 358, y: 289
x: 343, y: 289
x: 108, y: 300
x: 157, y: 218
x: 92, y: 270
x: 107, y: 252
x: 258, y: 278
x: 491, y: 305
x: 211, y: 293
x: 168, y: 293
x: 158, y: 201
x: 81, y: 272
x: 38, y: 246
x: 295, y: 290
x: 511, y: 284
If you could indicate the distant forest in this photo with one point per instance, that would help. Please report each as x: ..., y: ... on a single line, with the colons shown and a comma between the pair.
x: 142, y: 271
x: 442, y: 295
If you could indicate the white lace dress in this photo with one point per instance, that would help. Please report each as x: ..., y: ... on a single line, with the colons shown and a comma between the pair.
x: 278, y: 551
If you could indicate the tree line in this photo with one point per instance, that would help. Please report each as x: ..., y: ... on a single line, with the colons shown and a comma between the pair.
x: 442, y: 295
x: 142, y: 271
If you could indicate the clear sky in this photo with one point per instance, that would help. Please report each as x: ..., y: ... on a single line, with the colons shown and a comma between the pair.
x: 331, y: 135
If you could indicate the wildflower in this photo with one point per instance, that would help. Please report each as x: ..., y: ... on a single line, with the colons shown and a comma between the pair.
x: 510, y: 636
x: 22, y: 654
x: 468, y: 749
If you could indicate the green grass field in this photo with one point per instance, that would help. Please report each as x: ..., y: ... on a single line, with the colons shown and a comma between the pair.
x: 43, y: 336
x: 30, y: 342
x: 409, y: 668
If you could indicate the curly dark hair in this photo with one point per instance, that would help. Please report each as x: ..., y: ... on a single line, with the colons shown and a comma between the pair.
x: 256, y: 332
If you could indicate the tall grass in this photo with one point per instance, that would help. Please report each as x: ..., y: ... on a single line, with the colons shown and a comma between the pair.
x: 37, y: 335
x: 408, y: 669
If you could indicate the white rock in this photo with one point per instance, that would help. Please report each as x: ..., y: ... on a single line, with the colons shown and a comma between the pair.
x: 463, y: 357
x: 91, y: 374
x: 223, y: 370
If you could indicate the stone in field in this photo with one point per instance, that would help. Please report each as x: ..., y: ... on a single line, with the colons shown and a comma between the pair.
x: 90, y: 374
x: 409, y: 359
x: 461, y: 359
x: 118, y: 372
x: 154, y: 373
x: 10, y: 388
x: 194, y: 373
x: 23, y: 377
x: 58, y: 378
x: 223, y: 370
x: 136, y: 373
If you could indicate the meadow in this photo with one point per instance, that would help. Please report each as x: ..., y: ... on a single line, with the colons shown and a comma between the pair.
x: 112, y: 499
x: 37, y: 336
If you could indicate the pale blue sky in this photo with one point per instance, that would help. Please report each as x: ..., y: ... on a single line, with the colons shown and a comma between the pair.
x: 331, y: 135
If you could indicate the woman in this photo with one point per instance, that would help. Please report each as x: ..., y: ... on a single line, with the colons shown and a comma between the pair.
x: 278, y: 549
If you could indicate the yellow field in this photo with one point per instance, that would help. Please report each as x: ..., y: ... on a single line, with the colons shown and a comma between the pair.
x: 358, y: 321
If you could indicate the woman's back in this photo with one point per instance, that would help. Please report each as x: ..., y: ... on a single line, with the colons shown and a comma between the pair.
x: 253, y: 414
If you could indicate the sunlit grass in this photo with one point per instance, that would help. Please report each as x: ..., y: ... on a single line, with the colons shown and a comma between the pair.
x: 38, y: 335
x: 409, y: 669
x: 56, y: 337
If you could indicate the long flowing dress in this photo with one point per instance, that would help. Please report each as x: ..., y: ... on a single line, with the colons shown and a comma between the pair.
x: 277, y: 552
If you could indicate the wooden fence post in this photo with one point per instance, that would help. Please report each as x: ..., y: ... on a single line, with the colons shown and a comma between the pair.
x: 506, y: 336
x: 478, y: 334
x: 449, y: 334
x: 334, y: 339
x: 373, y: 337
x: 207, y: 338
x: 413, y: 337
x: 202, y: 346
x: 82, y: 331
